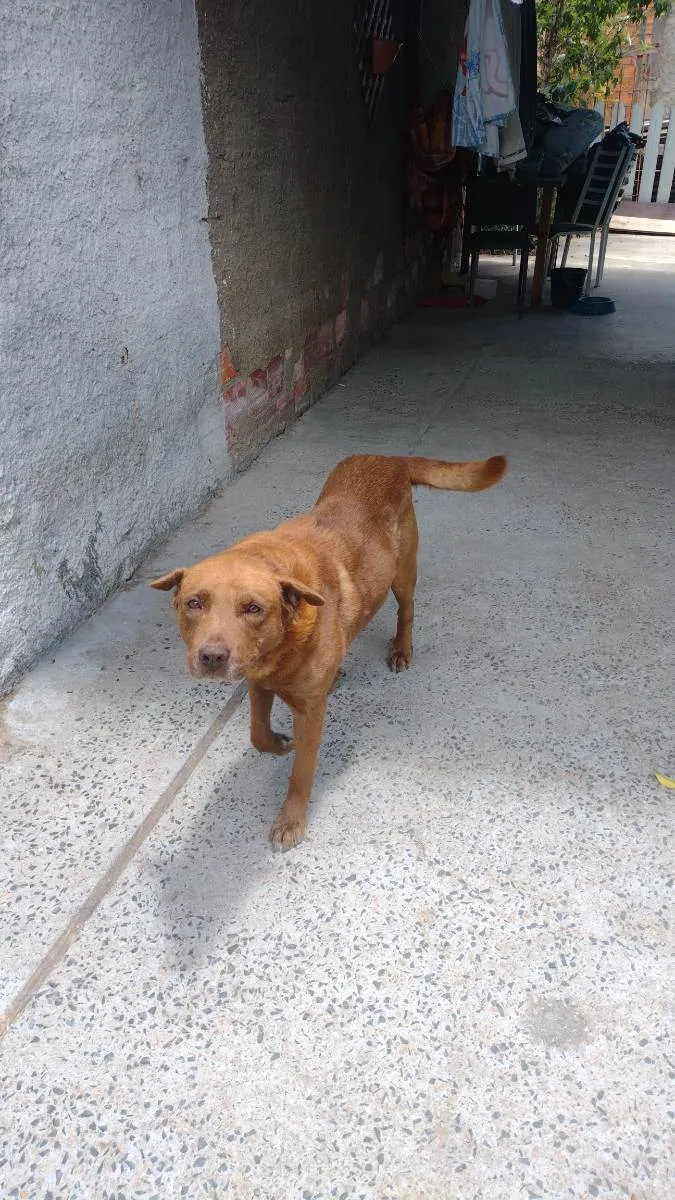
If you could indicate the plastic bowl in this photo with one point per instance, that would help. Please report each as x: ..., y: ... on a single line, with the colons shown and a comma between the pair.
x: 593, y: 306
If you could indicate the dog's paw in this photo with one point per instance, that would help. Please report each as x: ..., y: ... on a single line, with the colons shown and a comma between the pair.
x: 398, y: 659
x: 282, y: 744
x: 276, y: 743
x: 285, y: 833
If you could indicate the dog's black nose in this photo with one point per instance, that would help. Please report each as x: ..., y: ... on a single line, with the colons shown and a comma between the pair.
x: 213, y: 656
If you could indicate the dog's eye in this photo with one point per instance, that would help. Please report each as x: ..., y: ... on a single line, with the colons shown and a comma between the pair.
x: 252, y: 609
x: 194, y: 602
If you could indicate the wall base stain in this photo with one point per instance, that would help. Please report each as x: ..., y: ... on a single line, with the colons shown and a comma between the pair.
x: 86, y: 584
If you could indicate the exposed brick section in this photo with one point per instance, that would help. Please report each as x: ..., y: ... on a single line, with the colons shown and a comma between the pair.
x: 312, y: 350
x: 258, y: 382
x: 262, y: 405
x: 300, y: 380
x: 275, y: 382
x: 228, y: 370
x: 634, y: 79
x: 235, y: 391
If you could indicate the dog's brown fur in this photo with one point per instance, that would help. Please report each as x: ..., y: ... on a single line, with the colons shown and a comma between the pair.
x: 281, y: 608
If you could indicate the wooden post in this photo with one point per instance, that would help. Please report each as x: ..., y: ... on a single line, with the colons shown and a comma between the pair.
x: 547, y: 198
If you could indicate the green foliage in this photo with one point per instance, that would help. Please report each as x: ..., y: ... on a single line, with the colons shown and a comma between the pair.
x: 581, y: 43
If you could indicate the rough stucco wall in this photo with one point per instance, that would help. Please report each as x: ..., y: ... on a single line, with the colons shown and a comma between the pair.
x: 110, y: 419
x: 306, y: 205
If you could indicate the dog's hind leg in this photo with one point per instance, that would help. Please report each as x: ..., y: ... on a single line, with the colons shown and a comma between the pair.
x: 403, y: 586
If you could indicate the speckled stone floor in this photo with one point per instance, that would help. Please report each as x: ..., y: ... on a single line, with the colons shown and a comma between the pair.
x: 460, y: 986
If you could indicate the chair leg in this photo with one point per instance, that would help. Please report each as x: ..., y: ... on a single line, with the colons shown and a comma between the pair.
x: 601, y: 258
x: 522, y: 282
x: 589, y: 272
x: 513, y: 258
x: 464, y: 260
x: 551, y: 256
x: 568, y: 241
x: 472, y: 275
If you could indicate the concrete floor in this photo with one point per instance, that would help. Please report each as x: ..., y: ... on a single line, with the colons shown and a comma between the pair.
x: 460, y: 986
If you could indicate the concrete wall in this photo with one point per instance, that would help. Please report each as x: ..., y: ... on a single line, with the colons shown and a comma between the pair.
x: 151, y: 341
x: 110, y: 418
x: 306, y: 205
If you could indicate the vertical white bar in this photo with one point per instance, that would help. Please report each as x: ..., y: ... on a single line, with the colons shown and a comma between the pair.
x: 600, y: 108
x: 667, y: 163
x: 637, y: 120
x: 615, y: 115
x: 651, y: 154
x: 621, y: 114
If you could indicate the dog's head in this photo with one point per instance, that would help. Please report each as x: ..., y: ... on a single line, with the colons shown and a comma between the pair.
x: 232, y: 610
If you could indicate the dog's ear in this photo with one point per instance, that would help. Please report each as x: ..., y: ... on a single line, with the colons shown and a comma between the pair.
x: 166, y: 582
x: 293, y: 591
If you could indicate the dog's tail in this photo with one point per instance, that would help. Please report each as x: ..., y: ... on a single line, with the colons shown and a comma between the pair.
x: 456, y: 476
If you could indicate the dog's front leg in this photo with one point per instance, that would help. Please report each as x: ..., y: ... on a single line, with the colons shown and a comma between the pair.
x: 263, y: 737
x: 289, y: 827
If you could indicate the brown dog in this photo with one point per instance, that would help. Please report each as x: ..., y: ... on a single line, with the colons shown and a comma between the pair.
x: 281, y: 608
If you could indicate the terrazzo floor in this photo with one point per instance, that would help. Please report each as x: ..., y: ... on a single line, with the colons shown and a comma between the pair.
x: 459, y: 987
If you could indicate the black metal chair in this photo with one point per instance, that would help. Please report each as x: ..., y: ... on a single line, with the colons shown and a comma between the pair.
x: 498, y: 201
x: 595, y: 205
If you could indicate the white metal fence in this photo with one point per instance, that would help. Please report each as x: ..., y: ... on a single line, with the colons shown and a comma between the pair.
x: 652, y: 178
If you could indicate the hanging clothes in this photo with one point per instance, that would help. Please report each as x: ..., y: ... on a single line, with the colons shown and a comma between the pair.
x: 512, y: 148
x: 485, y: 96
x: 497, y: 90
x: 468, y: 124
x: 435, y: 169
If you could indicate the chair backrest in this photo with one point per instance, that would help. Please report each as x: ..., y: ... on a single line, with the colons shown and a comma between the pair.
x: 501, y: 201
x: 603, y: 180
x: 624, y: 178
